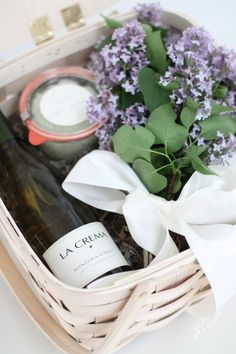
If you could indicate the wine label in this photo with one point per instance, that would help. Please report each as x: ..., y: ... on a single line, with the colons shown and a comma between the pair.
x: 83, y: 255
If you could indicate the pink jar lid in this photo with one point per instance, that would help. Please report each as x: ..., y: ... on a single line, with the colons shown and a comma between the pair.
x: 37, y: 133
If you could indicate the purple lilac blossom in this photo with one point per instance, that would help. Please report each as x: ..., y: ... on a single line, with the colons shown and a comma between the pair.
x: 149, y: 13
x: 135, y: 115
x: 223, y: 150
x: 124, y: 58
x: 224, y: 70
x: 190, y: 56
x: 224, y: 64
x: 173, y: 36
x: 104, y: 110
x: 118, y: 63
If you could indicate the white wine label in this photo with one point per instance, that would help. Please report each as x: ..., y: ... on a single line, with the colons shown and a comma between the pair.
x: 83, y: 255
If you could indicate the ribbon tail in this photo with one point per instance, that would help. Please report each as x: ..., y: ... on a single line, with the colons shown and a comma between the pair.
x: 215, y: 248
x: 147, y: 226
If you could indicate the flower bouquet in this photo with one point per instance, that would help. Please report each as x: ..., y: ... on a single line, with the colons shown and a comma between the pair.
x: 166, y: 100
x: 166, y: 107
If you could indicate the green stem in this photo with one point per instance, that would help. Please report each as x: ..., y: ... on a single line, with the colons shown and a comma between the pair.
x: 171, y: 185
x: 159, y: 169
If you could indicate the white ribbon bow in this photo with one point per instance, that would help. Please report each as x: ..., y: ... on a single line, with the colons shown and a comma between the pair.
x: 205, y: 213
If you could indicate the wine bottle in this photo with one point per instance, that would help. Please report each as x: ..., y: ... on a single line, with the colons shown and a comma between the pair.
x: 76, y: 247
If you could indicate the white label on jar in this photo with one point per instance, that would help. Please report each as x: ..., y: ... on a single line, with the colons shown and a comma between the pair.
x: 83, y: 255
x: 65, y: 104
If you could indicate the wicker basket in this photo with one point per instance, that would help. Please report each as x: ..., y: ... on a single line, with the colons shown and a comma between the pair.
x: 91, y: 320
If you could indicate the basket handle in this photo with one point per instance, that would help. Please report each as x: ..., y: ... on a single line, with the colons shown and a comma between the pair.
x: 126, y: 317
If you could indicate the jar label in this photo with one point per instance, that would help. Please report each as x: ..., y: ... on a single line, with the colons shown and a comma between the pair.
x: 65, y: 104
x: 83, y: 255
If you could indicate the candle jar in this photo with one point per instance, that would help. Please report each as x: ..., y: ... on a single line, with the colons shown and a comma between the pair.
x: 53, y: 108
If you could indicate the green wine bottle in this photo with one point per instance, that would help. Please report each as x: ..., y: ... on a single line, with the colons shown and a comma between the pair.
x: 76, y: 247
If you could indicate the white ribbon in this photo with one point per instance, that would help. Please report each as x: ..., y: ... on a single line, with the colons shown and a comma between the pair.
x: 205, y: 213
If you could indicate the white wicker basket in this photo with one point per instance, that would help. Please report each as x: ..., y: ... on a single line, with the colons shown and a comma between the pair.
x: 90, y: 320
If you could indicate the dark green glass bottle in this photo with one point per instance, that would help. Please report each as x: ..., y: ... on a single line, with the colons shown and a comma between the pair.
x: 76, y: 248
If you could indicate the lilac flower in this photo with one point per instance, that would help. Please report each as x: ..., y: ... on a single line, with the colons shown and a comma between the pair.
x: 118, y: 65
x: 201, y: 141
x: 172, y: 37
x: 104, y: 110
x: 224, y: 64
x: 223, y: 150
x: 135, y: 115
x: 97, y: 66
x: 123, y: 59
x: 149, y: 13
x: 195, y: 131
x: 190, y: 57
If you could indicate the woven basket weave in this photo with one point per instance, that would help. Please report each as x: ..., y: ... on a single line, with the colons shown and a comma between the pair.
x: 97, y: 320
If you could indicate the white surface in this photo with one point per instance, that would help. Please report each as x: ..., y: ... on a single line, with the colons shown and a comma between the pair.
x: 187, y: 334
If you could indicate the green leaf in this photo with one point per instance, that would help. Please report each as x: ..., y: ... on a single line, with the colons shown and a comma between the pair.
x: 223, y: 123
x: 154, y: 95
x: 192, y: 104
x: 156, y: 51
x: 197, y: 163
x: 219, y: 108
x: 132, y: 144
x: 112, y: 23
x: 187, y: 117
x: 152, y: 180
x: 127, y: 99
x: 220, y: 92
x: 162, y: 124
x: 147, y: 28
x: 200, y: 149
x: 183, y: 163
x: 159, y: 160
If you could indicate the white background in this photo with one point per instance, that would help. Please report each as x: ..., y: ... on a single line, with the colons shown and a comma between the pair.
x: 187, y: 334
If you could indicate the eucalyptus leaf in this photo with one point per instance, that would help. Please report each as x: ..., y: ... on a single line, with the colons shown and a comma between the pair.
x: 187, y: 117
x: 197, y: 163
x: 156, y: 51
x: 152, y: 180
x: 162, y: 124
x: 154, y: 95
x: 131, y: 144
x: 223, y: 123
x: 113, y: 24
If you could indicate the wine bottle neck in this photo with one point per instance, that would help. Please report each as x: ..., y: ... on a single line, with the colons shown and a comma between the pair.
x: 5, y: 131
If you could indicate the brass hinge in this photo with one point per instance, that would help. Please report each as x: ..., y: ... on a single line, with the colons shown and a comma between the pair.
x: 73, y: 17
x: 41, y: 29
